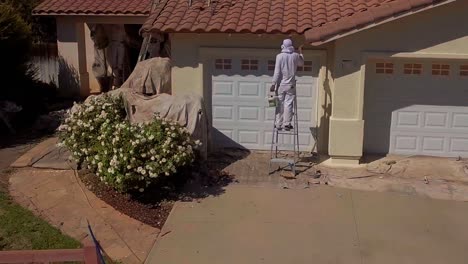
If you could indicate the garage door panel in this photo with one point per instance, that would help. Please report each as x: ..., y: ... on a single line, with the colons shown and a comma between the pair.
x: 250, y: 89
x: 436, y: 120
x: 460, y: 120
x: 221, y: 112
x: 406, y: 119
x: 223, y: 88
x: 405, y: 143
x: 459, y: 145
x: 416, y: 114
x: 249, y: 113
x: 241, y: 116
x: 249, y: 137
x: 434, y: 144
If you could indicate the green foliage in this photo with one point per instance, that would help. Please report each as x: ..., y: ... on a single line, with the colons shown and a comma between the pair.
x: 123, y: 155
x: 15, y: 41
x: 19, y: 83
x: 21, y: 230
x: 43, y: 29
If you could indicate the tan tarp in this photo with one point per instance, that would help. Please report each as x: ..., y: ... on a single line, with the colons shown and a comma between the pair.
x: 152, y: 76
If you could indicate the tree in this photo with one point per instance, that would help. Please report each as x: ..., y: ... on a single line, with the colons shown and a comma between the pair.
x: 15, y: 42
x: 43, y: 29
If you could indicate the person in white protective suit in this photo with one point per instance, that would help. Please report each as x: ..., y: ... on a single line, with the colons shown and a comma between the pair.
x: 284, y: 83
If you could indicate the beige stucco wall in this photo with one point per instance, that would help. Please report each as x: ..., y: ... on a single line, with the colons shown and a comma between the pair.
x: 76, y: 50
x: 431, y: 33
x: 188, y: 76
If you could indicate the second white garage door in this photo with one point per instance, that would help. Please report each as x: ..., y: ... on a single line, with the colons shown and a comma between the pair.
x: 241, y: 118
x: 417, y: 107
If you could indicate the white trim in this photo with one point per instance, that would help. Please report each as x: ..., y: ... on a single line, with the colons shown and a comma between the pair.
x: 100, y: 19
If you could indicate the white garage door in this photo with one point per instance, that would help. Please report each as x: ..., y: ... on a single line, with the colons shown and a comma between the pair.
x: 417, y: 107
x: 241, y: 118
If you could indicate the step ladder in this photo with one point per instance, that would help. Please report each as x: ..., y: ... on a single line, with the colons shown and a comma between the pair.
x: 277, y: 147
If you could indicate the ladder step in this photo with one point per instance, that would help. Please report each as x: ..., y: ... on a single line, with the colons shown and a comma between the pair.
x: 291, y: 132
x: 281, y: 145
x: 277, y: 160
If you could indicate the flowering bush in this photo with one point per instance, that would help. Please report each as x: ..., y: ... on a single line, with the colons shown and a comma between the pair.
x: 124, y: 155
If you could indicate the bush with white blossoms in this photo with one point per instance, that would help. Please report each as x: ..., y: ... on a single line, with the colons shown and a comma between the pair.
x: 123, y: 155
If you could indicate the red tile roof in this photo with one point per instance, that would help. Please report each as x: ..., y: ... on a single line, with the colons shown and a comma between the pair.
x: 319, y: 18
x: 93, y: 7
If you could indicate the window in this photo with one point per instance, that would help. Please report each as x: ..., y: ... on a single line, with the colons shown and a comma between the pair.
x: 271, y: 65
x: 306, y: 68
x: 464, y: 70
x: 249, y: 65
x: 440, y: 69
x: 413, y: 68
x: 223, y: 64
x: 384, y: 68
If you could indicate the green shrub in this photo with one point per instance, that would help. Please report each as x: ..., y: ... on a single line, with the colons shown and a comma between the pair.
x: 123, y: 155
x: 43, y: 28
x: 15, y: 42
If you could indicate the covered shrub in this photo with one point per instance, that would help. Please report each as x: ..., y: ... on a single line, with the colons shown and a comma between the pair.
x: 123, y: 155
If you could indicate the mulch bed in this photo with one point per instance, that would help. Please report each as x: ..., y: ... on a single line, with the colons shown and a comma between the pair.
x: 154, y: 205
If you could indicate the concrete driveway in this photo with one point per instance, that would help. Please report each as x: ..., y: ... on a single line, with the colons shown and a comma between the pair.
x: 317, y: 225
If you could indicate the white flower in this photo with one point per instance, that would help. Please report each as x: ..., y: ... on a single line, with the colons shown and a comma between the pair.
x: 143, y: 171
x: 129, y: 167
x: 173, y: 134
x: 141, y: 190
x: 143, y: 155
x: 139, y: 169
x: 164, y: 160
x: 153, y: 158
x: 167, y: 173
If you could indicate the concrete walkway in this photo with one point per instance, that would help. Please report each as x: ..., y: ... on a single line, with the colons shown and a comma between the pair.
x: 59, y: 197
x: 317, y: 225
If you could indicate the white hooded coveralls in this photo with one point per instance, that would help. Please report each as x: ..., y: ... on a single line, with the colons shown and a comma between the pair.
x: 284, y: 79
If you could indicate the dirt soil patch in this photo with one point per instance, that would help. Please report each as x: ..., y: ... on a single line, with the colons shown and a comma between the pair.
x: 152, y: 210
x: 154, y: 205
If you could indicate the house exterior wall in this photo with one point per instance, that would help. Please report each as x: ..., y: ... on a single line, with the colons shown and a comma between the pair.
x: 76, y: 51
x: 437, y: 33
x: 188, y: 76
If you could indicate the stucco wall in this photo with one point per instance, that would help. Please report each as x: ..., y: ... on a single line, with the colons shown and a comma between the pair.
x: 434, y: 32
x: 67, y: 45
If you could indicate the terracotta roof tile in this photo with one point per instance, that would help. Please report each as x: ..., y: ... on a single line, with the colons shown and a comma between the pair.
x: 317, y: 19
x: 93, y: 7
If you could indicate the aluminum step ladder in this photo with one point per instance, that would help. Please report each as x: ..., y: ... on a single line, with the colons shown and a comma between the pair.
x: 277, y: 147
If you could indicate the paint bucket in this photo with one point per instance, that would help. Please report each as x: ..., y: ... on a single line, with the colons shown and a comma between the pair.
x: 273, y: 101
